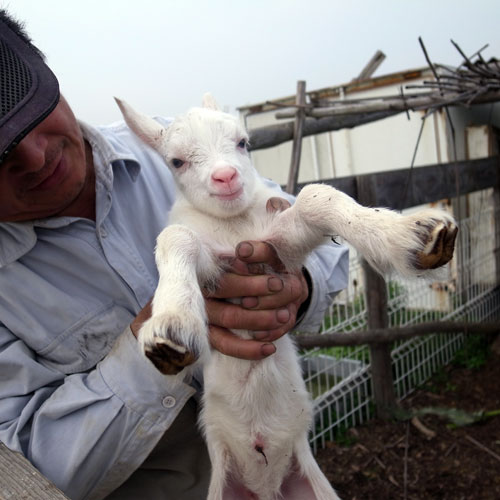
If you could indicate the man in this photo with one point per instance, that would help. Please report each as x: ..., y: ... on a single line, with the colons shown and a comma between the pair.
x: 80, y: 210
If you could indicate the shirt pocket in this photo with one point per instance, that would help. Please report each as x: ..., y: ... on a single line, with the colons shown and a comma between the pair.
x: 81, y: 346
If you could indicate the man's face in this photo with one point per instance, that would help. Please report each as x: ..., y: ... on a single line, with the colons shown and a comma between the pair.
x: 45, y: 174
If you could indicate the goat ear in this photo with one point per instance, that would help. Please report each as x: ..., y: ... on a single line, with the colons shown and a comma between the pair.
x: 209, y: 102
x: 147, y: 129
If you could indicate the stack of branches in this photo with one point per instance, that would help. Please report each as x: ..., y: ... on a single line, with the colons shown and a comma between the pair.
x: 475, y: 81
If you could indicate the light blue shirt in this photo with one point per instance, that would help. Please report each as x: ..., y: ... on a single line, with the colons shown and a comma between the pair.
x: 77, y: 397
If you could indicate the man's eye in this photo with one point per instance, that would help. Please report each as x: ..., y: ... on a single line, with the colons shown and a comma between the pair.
x: 242, y: 144
x: 176, y: 163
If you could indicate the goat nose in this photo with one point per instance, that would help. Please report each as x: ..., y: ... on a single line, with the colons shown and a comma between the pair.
x: 224, y: 175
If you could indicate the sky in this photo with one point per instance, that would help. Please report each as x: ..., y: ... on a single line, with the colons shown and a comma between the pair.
x: 162, y: 55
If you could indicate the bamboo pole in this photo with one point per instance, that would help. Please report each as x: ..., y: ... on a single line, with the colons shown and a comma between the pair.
x: 399, y: 103
x: 272, y: 135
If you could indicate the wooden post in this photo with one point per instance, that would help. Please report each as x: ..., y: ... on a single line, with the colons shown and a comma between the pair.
x: 371, y: 66
x: 293, y: 174
x: 376, y: 301
x: 380, y: 352
x: 19, y: 479
x: 496, y: 209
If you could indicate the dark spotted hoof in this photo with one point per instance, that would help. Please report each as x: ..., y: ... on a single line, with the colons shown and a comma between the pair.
x: 168, y: 357
x: 439, y: 240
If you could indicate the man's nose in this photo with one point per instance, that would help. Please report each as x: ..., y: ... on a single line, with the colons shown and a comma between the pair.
x: 29, y: 154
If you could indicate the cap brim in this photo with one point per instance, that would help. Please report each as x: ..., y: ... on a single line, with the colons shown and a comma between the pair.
x: 29, y: 90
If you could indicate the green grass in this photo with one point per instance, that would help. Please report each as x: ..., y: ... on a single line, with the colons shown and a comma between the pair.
x: 473, y: 354
x: 438, y: 382
x: 320, y: 383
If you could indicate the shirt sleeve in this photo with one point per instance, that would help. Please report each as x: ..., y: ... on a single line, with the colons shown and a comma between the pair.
x: 86, y: 432
x: 328, y: 267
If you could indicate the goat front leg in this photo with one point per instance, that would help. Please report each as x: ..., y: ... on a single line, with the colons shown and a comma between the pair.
x: 410, y: 245
x: 176, y: 334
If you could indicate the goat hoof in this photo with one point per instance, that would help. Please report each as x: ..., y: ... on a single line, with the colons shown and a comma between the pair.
x: 169, y: 358
x: 172, y: 341
x: 438, y: 237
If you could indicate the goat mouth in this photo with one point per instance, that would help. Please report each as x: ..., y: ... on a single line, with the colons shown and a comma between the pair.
x: 230, y: 196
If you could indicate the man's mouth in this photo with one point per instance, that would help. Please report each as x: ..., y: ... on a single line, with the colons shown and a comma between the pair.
x: 51, y: 177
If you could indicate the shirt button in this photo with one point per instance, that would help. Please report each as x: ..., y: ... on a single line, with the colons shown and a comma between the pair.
x: 168, y: 402
x: 103, y: 232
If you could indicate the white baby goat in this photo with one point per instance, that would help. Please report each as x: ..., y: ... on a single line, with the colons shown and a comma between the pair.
x: 256, y: 414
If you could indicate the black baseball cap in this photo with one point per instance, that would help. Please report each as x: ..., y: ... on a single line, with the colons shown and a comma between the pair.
x: 29, y: 91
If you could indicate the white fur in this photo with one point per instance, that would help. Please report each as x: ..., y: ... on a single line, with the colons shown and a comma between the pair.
x: 250, y: 406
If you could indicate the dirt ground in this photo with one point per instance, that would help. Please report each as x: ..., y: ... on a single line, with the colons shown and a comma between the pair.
x: 425, y: 458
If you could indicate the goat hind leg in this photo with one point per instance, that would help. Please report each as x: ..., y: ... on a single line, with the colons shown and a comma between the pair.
x: 305, y: 479
x: 224, y: 483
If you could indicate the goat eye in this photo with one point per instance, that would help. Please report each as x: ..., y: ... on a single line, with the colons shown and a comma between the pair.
x: 242, y: 144
x: 177, y: 163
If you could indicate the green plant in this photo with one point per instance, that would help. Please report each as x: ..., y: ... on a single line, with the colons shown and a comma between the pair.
x: 473, y: 354
x: 344, y: 438
x: 436, y: 382
x: 456, y: 416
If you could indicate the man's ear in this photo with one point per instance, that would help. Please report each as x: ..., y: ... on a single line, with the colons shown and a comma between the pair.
x: 209, y: 102
x: 147, y: 129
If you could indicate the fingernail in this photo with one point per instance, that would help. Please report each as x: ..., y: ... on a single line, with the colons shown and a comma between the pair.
x: 283, y: 315
x: 244, y: 249
x: 274, y: 284
x: 267, y: 349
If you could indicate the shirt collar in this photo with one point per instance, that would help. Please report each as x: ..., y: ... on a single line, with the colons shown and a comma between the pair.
x: 18, y: 238
x: 107, y: 155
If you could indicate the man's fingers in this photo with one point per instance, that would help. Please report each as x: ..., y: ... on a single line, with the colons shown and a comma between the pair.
x: 144, y: 314
x: 230, y: 286
x: 275, y: 334
x: 293, y: 290
x: 231, y: 345
x: 238, y: 318
x: 259, y: 252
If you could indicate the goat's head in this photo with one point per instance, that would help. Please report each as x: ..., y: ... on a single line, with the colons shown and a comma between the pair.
x: 206, y: 150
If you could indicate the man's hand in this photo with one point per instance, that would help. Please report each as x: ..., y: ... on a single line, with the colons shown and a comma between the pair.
x: 143, y: 315
x: 269, y: 303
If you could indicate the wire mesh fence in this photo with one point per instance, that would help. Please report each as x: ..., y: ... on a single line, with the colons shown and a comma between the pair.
x: 339, y: 377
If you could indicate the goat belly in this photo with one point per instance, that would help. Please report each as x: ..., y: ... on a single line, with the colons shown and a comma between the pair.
x: 256, y: 411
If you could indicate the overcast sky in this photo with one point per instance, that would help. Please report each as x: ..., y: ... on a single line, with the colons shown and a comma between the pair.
x: 162, y: 55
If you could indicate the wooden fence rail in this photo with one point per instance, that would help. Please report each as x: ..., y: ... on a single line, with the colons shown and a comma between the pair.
x: 403, y: 189
x: 424, y: 184
x: 384, y: 335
